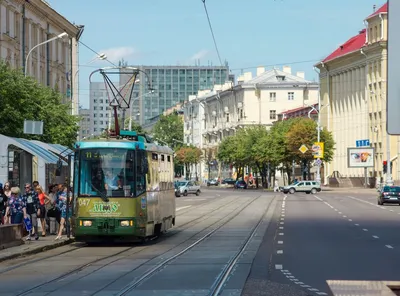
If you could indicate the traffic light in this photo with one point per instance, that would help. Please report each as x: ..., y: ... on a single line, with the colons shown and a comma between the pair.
x: 384, y: 166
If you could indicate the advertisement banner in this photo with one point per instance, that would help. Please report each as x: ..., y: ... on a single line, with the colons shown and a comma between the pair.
x: 361, y: 157
x: 318, y: 149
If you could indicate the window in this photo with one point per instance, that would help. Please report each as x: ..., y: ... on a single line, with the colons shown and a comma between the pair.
x: 272, y: 114
x: 169, y: 158
x: 272, y: 96
x: 290, y: 96
x: 227, y: 117
x: 162, y: 157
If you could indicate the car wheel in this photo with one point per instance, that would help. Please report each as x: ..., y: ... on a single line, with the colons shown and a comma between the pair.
x: 380, y: 203
x: 185, y: 193
x: 313, y: 191
x: 198, y: 192
x: 292, y: 190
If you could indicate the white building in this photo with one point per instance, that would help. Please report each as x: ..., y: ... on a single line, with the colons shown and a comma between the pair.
x: 100, y: 110
x: 213, y: 115
x: 27, y: 24
x: 84, y: 125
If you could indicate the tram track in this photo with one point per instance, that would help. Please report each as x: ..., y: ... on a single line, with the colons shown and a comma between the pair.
x: 222, y: 278
x: 80, y: 268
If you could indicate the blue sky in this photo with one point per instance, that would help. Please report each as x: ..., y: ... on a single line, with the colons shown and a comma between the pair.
x: 248, y: 33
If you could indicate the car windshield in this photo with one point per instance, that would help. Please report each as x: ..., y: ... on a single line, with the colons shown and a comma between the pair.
x: 391, y: 189
x: 110, y: 172
x: 179, y: 184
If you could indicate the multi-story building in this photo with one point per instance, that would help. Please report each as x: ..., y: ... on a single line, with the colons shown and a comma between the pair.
x: 28, y: 25
x: 84, y: 124
x: 353, y: 86
x: 101, y: 114
x: 213, y: 115
x: 172, y: 85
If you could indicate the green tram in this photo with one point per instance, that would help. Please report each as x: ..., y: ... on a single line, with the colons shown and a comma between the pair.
x: 123, y: 189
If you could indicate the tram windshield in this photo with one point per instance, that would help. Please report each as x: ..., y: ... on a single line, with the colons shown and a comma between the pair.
x: 109, y: 172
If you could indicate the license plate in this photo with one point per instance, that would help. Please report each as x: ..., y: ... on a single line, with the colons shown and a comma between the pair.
x: 393, y: 197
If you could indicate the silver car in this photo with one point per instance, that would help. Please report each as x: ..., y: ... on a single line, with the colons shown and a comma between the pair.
x: 303, y: 186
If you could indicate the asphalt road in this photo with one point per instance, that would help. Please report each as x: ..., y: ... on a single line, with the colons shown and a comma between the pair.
x: 211, y: 229
x: 328, y: 236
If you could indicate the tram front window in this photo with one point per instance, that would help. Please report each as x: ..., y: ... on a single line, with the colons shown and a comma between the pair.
x: 109, y: 173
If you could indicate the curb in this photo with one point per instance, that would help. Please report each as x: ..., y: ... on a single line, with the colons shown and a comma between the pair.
x: 38, y: 250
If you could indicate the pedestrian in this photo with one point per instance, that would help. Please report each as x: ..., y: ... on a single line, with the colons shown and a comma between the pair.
x: 3, y: 205
x: 32, y: 202
x: 16, y: 207
x: 276, y: 186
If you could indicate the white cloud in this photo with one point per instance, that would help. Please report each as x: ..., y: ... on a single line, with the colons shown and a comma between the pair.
x: 199, y: 55
x: 116, y: 54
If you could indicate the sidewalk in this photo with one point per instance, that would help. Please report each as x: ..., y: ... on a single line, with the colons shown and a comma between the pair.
x: 34, y: 247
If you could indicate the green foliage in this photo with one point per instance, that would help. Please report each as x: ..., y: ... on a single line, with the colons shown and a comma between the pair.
x: 169, y: 130
x: 23, y: 98
x: 188, y: 155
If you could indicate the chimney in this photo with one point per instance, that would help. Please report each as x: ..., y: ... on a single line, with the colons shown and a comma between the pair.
x: 287, y: 69
x: 247, y: 76
x: 260, y: 70
x: 300, y: 74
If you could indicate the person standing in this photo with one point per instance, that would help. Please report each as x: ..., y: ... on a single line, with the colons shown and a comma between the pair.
x: 32, y: 202
x: 276, y: 186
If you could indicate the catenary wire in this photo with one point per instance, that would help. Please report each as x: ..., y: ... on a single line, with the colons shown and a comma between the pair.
x: 212, y: 31
x: 92, y: 50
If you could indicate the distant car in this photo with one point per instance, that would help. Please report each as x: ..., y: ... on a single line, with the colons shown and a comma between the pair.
x: 229, y: 181
x: 241, y: 184
x: 186, y: 187
x: 212, y: 182
x: 389, y: 194
x: 302, y: 186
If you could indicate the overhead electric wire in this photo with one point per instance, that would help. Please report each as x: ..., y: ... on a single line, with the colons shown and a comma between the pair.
x: 212, y: 31
x: 92, y: 50
x: 278, y: 64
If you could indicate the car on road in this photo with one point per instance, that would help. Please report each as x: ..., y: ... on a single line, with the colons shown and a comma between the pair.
x: 302, y: 186
x: 212, y: 182
x: 186, y: 187
x: 389, y: 194
x: 229, y: 181
x: 240, y: 184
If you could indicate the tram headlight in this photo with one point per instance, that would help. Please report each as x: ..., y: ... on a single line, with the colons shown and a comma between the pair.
x: 124, y: 223
x: 87, y: 223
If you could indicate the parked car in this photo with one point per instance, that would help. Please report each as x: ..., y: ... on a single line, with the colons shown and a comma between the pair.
x: 186, y: 187
x: 303, y: 186
x: 229, y: 181
x: 213, y: 182
x: 389, y: 194
x: 240, y: 184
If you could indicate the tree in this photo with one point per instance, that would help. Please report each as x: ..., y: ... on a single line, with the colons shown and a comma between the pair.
x: 23, y: 98
x: 188, y: 156
x: 169, y: 130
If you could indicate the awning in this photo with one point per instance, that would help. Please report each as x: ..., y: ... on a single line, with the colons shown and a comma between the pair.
x: 36, y: 150
x: 58, y: 149
x: 64, y: 150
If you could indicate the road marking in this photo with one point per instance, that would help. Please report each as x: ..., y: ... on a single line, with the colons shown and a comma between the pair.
x: 280, y: 242
x: 313, y: 289
x: 305, y: 286
x: 357, y: 224
x: 278, y: 266
x: 282, y: 223
x: 318, y: 198
x: 283, y: 215
x: 279, y: 252
x: 350, y: 220
x: 336, y: 210
x: 282, y: 218
x: 281, y: 233
x: 321, y: 293
x: 365, y: 229
x: 374, y: 236
x: 290, y: 276
x: 281, y: 227
x: 344, y: 216
x: 389, y: 246
x: 181, y: 208
x: 340, y: 213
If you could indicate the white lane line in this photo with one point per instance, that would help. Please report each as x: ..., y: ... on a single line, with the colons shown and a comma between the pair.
x: 374, y: 236
x: 278, y: 266
x: 321, y: 293
x: 283, y: 215
x: 350, y: 220
x: 340, y: 213
x: 357, y: 224
x: 365, y: 229
x: 344, y: 216
x: 290, y: 276
x: 181, y: 208
x: 318, y: 198
x: 282, y: 218
x: 282, y: 223
x: 281, y: 233
x: 389, y: 246
x: 313, y: 289
x: 280, y: 242
x: 305, y: 286
x: 279, y: 252
x: 336, y: 210
x: 281, y: 227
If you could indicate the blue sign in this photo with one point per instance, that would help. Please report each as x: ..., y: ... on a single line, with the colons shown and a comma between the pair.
x: 362, y: 143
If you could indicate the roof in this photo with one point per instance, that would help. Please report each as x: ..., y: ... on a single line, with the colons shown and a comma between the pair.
x: 300, y: 109
x: 354, y: 44
x: 382, y: 9
x: 55, y: 148
x: 35, y: 150
x: 271, y: 77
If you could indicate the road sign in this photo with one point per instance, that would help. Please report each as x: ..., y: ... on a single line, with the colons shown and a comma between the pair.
x: 362, y: 143
x: 393, y: 71
x: 318, y: 162
x: 318, y: 149
x: 303, y: 149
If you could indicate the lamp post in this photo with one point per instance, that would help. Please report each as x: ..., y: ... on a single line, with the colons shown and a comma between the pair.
x: 131, y: 107
x: 47, y: 41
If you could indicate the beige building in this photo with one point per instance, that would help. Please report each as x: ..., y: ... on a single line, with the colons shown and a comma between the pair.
x: 27, y: 24
x: 353, y: 86
x: 215, y: 114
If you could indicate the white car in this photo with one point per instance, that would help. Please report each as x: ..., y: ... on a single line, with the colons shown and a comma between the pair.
x: 303, y: 186
x: 186, y: 187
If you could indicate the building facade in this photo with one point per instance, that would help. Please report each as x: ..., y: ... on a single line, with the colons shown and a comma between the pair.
x: 172, y: 85
x: 101, y: 114
x: 353, y: 85
x: 84, y: 124
x: 26, y: 24
x: 218, y: 113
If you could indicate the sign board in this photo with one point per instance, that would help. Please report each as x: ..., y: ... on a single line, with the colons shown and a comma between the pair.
x: 33, y: 127
x: 393, y: 69
x: 318, y: 162
x: 318, y: 149
x: 362, y: 157
x: 303, y: 149
x: 362, y: 143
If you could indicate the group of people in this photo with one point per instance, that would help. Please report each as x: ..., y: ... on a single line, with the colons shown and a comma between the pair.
x: 36, y: 205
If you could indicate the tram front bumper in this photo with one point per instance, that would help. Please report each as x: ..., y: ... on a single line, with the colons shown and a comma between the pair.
x: 107, y: 227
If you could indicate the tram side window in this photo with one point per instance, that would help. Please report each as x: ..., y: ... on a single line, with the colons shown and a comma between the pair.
x: 141, y: 171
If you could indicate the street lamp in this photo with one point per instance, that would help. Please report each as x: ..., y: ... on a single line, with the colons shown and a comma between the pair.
x: 131, y: 107
x: 47, y: 41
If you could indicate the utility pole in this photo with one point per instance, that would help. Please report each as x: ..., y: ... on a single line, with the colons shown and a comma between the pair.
x: 389, y: 180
